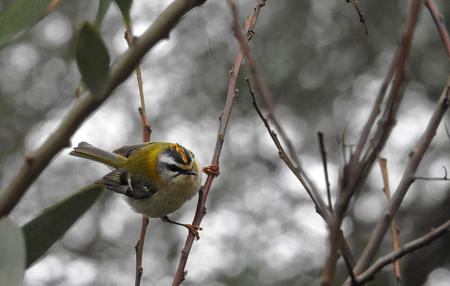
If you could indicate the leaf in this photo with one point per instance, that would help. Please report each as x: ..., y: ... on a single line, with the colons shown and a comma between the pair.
x: 103, y: 6
x: 92, y: 59
x: 19, y: 16
x: 49, y: 226
x: 125, y: 7
x: 12, y: 249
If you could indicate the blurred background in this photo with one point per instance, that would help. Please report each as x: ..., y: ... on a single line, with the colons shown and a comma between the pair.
x: 261, y: 228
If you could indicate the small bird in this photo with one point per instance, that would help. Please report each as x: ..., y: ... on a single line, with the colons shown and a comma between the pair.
x: 156, y: 178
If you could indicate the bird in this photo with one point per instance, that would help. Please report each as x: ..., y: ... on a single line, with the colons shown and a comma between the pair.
x: 156, y: 178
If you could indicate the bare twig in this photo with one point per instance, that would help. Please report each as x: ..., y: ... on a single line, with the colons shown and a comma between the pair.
x: 323, y: 154
x: 286, y: 159
x: 329, y: 218
x: 405, y: 249
x: 146, y: 126
x: 268, y: 103
x: 440, y: 25
x: 357, y: 169
x: 139, y: 249
x: 146, y: 134
x: 223, y: 123
x: 86, y: 103
x: 443, y: 178
x: 355, y: 4
x: 384, y: 173
x: 405, y: 182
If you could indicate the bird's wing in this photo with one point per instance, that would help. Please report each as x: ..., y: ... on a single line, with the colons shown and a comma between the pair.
x: 120, y: 181
x: 127, y: 150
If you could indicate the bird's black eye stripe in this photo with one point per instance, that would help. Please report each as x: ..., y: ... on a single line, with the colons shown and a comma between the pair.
x: 174, y: 168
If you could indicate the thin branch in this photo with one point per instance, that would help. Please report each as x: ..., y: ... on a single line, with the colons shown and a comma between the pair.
x: 146, y: 126
x: 139, y: 249
x: 443, y: 178
x: 357, y: 170
x: 355, y: 4
x: 440, y: 25
x: 323, y: 154
x: 384, y: 173
x: 268, y: 103
x: 284, y: 157
x: 405, y: 249
x: 146, y: 134
x: 330, y: 219
x: 87, y: 104
x: 223, y: 124
x: 405, y: 182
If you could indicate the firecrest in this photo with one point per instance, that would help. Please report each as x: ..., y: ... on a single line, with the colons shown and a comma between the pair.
x: 156, y: 178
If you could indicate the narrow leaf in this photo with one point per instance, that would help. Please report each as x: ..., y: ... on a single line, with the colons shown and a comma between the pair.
x: 49, y: 226
x: 21, y: 15
x: 125, y: 7
x: 103, y: 6
x: 12, y: 249
x: 92, y: 59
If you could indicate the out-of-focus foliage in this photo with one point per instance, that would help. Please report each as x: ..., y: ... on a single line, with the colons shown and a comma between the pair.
x: 50, y: 225
x: 12, y: 247
x: 260, y: 228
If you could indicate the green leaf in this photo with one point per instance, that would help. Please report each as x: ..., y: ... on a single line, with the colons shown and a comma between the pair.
x: 19, y: 16
x: 12, y: 249
x: 49, y: 226
x: 103, y: 6
x: 92, y: 59
x: 125, y: 7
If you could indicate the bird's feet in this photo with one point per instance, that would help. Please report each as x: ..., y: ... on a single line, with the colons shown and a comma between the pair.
x: 212, y: 170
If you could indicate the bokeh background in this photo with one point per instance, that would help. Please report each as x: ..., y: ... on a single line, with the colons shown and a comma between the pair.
x: 261, y: 228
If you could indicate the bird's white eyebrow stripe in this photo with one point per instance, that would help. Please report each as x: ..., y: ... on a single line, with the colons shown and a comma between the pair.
x: 167, y: 160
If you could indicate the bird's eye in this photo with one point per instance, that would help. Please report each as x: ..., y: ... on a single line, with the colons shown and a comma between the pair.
x: 174, y: 168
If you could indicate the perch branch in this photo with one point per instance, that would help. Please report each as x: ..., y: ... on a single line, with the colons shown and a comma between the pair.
x: 146, y: 134
x: 232, y: 94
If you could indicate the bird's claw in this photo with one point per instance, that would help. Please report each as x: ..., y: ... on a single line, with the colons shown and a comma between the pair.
x: 212, y: 170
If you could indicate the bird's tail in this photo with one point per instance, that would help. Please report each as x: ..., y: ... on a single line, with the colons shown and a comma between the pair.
x: 88, y: 151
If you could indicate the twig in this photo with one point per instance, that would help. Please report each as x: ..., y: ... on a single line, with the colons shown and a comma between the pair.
x: 146, y: 126
x: 405, y: 182
x: 443, y: 178
x: 139, y: 249
x: 384, y: 173
x: 329, y: 218
x: 360, y: 14
x: 268, y: 103
x: 223, y: 123
x: 405, y: 249
x: 356, y: 171
x: 286, y: 159
x: 440, y: 25
x: 146, y: 134
x: 323, y: 154
x: 87, y: 104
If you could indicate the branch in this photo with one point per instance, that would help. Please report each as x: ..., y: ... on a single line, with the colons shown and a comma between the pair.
x: 268, y: 103
x: 323, y: 154
x: 224, y: 118
x: 35, y: 162
x: 407, y: 248
x: 440, y: 25
x: 405, y: 182
x: 443, y: 178
x: 358, y: 168
x: 387, y: 190
x: 146, y: 134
